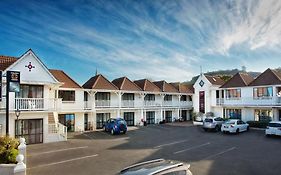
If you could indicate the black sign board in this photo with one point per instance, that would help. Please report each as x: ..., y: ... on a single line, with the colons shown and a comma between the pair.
x: 13, y: 78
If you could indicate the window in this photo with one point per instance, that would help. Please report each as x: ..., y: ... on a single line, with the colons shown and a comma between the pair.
x: 183, y: 98
x: 233, y: 113
x: 149, y: 97
x: 101, y: 119
x: 102, y: 96
x: 261, y: 92
x: 128, y: 96
x: 233, y: 93
x: 30, y: 91
x: 263, y: 115
x: 67, y: 95
x: 85, y: 96
x: 168, y: 98
x: 68, y: 120
x: 168, y: 116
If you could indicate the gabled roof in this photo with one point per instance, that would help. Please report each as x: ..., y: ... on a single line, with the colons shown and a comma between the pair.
x: 99, y: 82
x: 183, y: 88
x: 6, y: 61
x: 165, y: 87
x: 238, y: 80
x: 268, y: 77
x: 125, y: 83
x: 214, y: 80
x: 147, y: 85
x: 62, y: 77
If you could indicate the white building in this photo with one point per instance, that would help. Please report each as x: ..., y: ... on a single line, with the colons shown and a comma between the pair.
x: 52, y: 104
x: 240, y: 97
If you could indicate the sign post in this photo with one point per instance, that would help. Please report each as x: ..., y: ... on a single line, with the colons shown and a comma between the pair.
x: 13, y: 85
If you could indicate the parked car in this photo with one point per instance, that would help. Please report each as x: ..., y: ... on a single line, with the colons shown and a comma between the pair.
x: 212, y: 123
x: 234, y: 126
x: 115, y: 126
x: 273, y: 128
x: 158, y: 167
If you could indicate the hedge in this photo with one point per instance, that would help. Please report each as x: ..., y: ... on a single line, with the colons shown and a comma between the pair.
x: 258, y: 124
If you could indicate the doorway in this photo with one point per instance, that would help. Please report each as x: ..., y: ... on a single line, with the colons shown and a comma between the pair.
x: 68, y: 120
x: 30, y: 129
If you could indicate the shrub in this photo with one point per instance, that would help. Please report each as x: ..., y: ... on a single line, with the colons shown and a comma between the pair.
x: 8, y: 150
x: 258, y: 124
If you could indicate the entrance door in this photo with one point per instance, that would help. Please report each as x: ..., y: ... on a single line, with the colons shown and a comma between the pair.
x: 129, y: 118
x: 101, y: 119
x: 68, y: 120
x: 202, y: 101
x: 168, y: 116
x: 184, y: 115
x: 150, y: 117
x: 30, y: 129
x: 86, y: 123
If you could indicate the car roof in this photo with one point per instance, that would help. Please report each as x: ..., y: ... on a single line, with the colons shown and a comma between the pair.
x: 151, y: 167
x: 275, y: 122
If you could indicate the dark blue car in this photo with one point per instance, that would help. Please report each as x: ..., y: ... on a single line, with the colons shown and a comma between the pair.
x: 115, y: 126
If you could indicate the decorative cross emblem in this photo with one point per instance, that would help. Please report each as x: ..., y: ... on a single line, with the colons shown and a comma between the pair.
x: 30, y: 66
x: 201, y: 83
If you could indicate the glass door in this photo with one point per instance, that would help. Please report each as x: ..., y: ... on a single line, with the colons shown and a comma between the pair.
x: 30, y: 129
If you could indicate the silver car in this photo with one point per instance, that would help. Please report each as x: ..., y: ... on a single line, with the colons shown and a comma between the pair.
x: 158, y: 167
x: 213, y: 123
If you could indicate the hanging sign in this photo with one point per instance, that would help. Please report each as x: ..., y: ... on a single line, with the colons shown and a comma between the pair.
x: 13, y: 78
x: 0, y: 85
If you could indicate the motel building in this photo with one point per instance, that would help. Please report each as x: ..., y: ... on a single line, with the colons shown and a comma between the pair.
x: 49, y: 103
x: 243, y: 97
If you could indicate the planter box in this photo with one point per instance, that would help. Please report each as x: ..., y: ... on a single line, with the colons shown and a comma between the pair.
x: 7, y: 169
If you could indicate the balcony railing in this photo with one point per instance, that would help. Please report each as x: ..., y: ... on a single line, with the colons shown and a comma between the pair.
x: 169, y: 103
x: 151, y: 103
x: 36, y: 104
x: 127, y: 103
x: 186, y: 104
x: 250, y: 101
x: 102, y: 103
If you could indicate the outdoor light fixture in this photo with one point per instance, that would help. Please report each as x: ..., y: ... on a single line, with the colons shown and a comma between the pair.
x: 17, y: 112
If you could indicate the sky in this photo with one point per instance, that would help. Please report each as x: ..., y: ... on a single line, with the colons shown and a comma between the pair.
x: 160, y: 39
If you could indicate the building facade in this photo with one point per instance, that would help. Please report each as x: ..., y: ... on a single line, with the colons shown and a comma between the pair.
x: 51, y: 104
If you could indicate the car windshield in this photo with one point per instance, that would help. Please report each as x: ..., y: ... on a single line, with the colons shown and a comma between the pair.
x: 121, y: 121
x: 231, y: 122
x: 274, y: 125
x: 209, y: 120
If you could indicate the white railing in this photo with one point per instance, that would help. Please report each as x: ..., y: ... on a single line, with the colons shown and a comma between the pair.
x: 151, y: 103
x: 169, y: 103
x: 127, y: 103
x: 102, y: 103
x: 250, y: 101
x: 186, y: 104
x: 58, y: 128
x: 35, y: 104
x: 87, y: 105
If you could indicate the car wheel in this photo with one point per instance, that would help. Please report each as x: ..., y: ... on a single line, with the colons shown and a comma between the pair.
x: 217, y: 128
x: 237, y: 131
x: 112, y: 132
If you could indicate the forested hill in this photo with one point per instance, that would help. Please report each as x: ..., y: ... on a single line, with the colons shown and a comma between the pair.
x: 224, y: 74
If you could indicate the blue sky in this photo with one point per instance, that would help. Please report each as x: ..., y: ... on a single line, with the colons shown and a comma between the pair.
x: 159, y: 39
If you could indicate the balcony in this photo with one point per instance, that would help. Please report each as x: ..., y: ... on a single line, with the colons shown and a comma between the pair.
x: 250, y: 101
x: 169, y: 103
x: 104, y: 104
x: 127, y: 104
x: 151, y: 103
x: 187, y: 104
x: 35, y: 104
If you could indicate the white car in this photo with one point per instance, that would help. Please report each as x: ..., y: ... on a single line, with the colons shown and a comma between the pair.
x: 234, y: 126
x: 273, y: 128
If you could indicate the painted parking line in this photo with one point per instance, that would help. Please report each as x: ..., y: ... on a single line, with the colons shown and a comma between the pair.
x: 59, y: 150
x: 194, y: 147
x: 64, y: 161
x: 220, y: 153
x: 172, y: 143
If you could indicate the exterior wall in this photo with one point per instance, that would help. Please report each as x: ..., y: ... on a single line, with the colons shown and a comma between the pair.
x: 77, y: 105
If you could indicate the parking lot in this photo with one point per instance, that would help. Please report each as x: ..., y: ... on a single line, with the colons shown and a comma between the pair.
x: 208, y: 153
